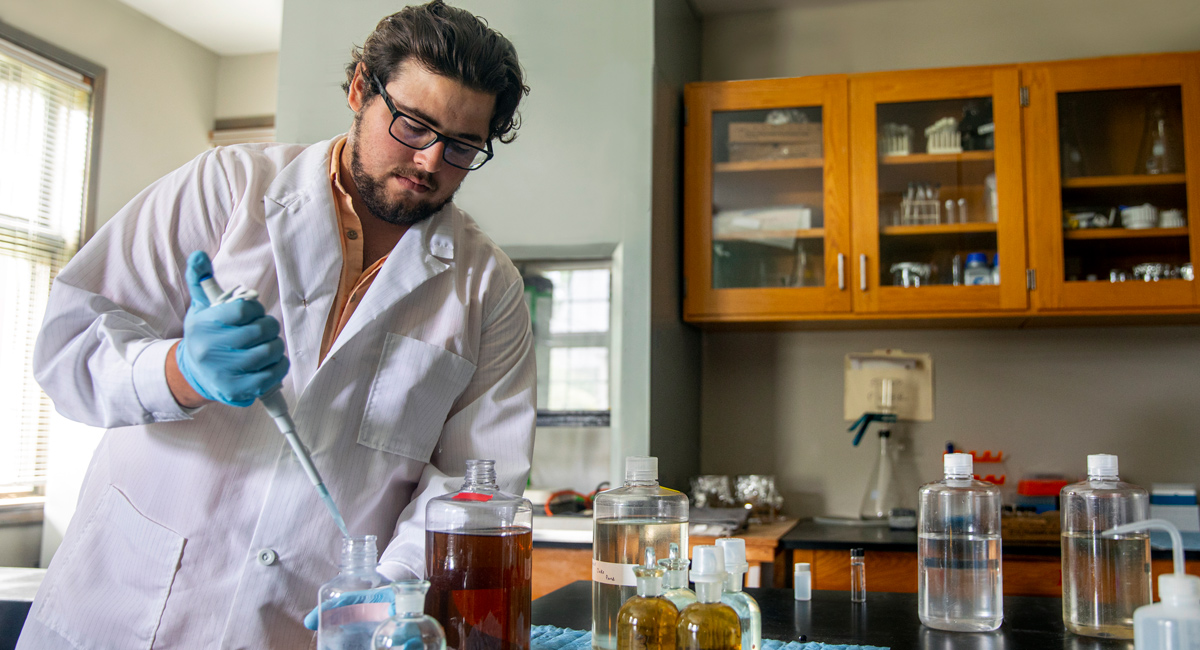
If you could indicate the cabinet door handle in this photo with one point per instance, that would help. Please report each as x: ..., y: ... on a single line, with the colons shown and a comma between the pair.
x: 841, y: 271
x: 862, y: 272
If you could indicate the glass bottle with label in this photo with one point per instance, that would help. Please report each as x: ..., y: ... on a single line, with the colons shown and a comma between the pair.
x: 708, y: 624
x: 676, y: 579
x: 647, y: 621
x: 410, y: 628
x: 746, y: 607
x: 479, y: 563
x: 625, y: 522
x: 1103, y: 579
x: 347, y: 623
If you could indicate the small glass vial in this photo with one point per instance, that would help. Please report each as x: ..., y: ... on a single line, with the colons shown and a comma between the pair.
x: 1104, y: 579
x: 351, y: 625
x: 802, y: 581
x: 746, y: 607
x: 858, y: 576
x: 708, y: 624
x: 410, y: 628
x: 647, y: 621
x: 479, y: 563
x: 676, y: 579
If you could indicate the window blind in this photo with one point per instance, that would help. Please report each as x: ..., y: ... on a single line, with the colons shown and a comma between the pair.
x: 45, y: 139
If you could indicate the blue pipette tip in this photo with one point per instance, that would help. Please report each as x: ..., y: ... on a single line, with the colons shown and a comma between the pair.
x: 333, y: 509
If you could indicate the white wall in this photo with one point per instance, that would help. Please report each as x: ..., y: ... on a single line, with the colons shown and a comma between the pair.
x: 773, y: 401
x: 247, y: 85
x: 579, y: 171
x: 158, y: 108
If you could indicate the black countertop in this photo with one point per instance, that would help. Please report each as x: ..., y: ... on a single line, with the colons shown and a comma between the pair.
x: 809, y: 534
x: 886, y: 620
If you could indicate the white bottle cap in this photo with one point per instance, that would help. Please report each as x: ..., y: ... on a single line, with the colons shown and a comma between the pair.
x: 1178, y: 589
x: 735, y: 554
x: 708, y: 564
x: 802, y: 567
x: 641, y: 469
x: 1102, y: 465
x: 958, y: 464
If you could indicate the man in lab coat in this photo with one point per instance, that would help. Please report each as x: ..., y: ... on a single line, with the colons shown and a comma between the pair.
x: 406, y: 330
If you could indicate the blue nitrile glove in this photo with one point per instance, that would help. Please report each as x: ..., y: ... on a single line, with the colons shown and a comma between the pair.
x: 231, y: 352
x: 377, y: 595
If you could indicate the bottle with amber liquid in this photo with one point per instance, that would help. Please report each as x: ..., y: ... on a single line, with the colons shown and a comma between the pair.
x: 647, y: 621
x: 708, y: 624
x: 479, y: 563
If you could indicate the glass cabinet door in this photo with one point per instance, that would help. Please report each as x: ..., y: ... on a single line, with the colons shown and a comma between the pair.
x: 765, y: 199
x: 938, y: 207
x: 1110, y: 176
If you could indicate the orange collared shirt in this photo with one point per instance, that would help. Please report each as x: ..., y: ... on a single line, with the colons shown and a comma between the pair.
x: 355, y: 280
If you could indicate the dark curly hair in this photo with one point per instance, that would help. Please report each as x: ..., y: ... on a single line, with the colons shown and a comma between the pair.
x: 451, y: 42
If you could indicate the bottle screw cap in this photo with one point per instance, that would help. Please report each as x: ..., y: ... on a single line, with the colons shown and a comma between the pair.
x: 958, y: 464
x: 641, y: 469
x: 1102, y: 465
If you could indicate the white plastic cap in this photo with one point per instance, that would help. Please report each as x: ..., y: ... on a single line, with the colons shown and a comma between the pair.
x: 708, y: 564
x: 1102, y: 465
x: 1178, y: 589
x: 735, y: 554
x: 802, y: 567
x: 958, y: 464
x: 641, y: 469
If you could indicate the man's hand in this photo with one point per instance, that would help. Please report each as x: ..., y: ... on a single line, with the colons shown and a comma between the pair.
x: 231, y: 352
x: 378, y: 595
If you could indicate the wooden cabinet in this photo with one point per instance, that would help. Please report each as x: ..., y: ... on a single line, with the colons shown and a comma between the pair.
x: 870, y: 197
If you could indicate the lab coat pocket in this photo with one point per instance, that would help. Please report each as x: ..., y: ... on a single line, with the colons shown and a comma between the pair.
x: 111, y: 586
x: 414, y: 387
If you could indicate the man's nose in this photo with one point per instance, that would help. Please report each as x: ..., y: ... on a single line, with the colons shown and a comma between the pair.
x: 430, y: 159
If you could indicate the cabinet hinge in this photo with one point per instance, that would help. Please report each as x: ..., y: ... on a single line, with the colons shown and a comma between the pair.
x: 1030, y: 279
x: 1024, y: 94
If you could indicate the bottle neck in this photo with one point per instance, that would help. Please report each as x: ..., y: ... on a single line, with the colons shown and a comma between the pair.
x: 958, y: 476
x: 1108, y: 477
x: 708, y: 592
x: 481, y: 475
x: 641, y: 482
x: 649, y: 587
x: 733, y: 582
x: 358, y: 553
x: 677, y: 579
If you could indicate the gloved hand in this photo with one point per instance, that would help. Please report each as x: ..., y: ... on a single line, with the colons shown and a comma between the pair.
x: 230, y: 353
x: 377, y: 595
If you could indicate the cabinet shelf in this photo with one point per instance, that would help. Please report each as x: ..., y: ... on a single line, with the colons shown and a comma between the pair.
x: 769, y: 165
x: 940, y: 229
x: 927, y: 158
x: 752, y: 235
x: 1130, y: 180
x: 1124, y: 233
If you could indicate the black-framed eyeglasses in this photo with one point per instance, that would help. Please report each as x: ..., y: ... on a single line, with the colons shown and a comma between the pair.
x: 415, y: 134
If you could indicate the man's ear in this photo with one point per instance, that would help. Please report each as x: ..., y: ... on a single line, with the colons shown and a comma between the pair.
x: 358, y: 88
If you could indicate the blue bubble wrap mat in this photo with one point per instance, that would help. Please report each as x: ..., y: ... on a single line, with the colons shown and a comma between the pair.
x: 549, y: 637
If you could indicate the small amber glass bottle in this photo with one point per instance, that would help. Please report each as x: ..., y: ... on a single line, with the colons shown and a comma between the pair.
x: 647, y: 620
x: 708, y: 624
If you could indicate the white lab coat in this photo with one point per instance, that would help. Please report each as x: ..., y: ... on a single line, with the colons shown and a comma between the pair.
x: 199, y: 529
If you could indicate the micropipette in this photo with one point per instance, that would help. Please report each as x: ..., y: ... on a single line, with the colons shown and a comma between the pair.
x: 277, y: 406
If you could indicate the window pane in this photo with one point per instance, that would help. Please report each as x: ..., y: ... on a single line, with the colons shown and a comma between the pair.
x: 579, y: 379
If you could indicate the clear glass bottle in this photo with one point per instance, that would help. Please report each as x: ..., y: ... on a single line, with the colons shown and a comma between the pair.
x: 858, y: 576
x: 647, y: 621
x: 708, y: 624
x: 959, y: 580
x: 479, y: 563
x: 676, y: 578
x: 747, y: 609
x: 625, y: 522
x: 351, y: 626
x: 1161, y: 149
x: 1103, y: 579
x: 410, y: 628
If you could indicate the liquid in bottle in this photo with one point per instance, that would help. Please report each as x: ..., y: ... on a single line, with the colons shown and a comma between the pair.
x: 647, y: 621
x: 749, y: 614
x: 708, y: 624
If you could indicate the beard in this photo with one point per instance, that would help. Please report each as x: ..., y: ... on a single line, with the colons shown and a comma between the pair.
x: 373, y: 192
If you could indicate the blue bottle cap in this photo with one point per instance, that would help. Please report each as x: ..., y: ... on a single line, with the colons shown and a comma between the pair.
x: 977, y: 257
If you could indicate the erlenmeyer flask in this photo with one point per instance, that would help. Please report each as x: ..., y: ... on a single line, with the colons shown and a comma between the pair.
x: 1162, y: 142
x: 882, y: 493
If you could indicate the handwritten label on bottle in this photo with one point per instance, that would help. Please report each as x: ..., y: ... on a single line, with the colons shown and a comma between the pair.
x: 612, y: 573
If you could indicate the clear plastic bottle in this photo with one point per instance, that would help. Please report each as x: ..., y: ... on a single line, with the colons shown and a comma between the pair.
x: 802, y: 581
x: 647, y: 621
x: 959, y: 580
x: 351, y: 626
x: 708, y: 624
x: 625, y: 521
x: 1104, y: 580
x: 676, y: 579
x: 479, y: 563
x: 410, y: 628
x: 977, y: 271
x: 746, y: 607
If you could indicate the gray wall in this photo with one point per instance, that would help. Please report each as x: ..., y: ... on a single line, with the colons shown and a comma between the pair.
x: 579, y: 172
x: 773, y: 401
